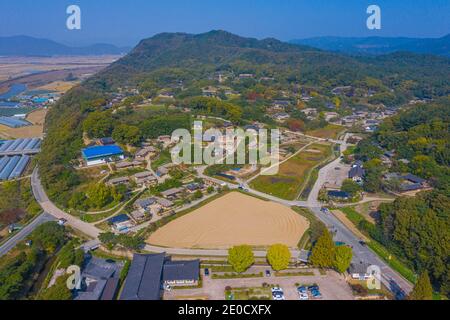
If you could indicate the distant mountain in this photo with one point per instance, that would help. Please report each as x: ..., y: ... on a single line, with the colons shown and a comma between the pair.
x: 29, y: 46
x: 169, y: 57
x: 379, y: 45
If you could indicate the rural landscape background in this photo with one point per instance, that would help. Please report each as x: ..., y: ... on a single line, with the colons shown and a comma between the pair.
x: 87, y: 179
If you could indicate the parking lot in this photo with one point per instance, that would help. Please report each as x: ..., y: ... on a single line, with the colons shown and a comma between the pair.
x: 332, y: 287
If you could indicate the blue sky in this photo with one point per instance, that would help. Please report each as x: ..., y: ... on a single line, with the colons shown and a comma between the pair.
x: 124, y: 22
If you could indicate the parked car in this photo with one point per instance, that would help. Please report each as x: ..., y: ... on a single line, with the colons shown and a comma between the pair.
x: 277, y: 293
x: 303, y: 296
x: 363, y: 243
x: 268, y: 273
x: 302, y: 289
x: 206, y: 272
x: 313, y: 288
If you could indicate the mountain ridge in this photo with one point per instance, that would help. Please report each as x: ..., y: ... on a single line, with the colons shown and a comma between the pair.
x: 30, y: 46
x: 379, y: 45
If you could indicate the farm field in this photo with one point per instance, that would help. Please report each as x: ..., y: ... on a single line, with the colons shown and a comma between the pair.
x: 37, y: 118
x: 331, y: 131
x: 294, y: 173
x: 14, y: 67
x: 233, y: 219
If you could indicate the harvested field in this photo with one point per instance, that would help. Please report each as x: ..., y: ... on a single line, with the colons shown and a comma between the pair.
x: 37, y: 118
x: 233, y: 219
x: 294, y: 173
x: 331, y: 131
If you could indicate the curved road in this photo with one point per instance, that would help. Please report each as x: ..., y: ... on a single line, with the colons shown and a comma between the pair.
x: 390, y: 278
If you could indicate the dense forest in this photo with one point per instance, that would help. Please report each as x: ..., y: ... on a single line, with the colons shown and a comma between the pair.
x: 417, y: 229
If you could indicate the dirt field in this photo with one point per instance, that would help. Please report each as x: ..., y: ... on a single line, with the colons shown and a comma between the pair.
x: 37, y: 118
x: 331, y: 131
x: 59, y: 86
x: 234, y: 219
x: 14, y: 67
x: 293, y: 174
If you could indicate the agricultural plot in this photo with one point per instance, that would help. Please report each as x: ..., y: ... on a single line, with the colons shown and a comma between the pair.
x: 294, y: 173
x: 331, y: 131
x: 233, y: 219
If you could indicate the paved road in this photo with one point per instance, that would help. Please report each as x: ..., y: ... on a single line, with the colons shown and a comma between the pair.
x: 24, y: 232
x: 390, y: 278
x: 49, y: 207
x: 205, y: 252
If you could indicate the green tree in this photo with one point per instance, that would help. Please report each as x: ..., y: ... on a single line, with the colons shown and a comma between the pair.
x: 99, y: 195
x: 241, y: 258
x: 98, y: 124
x: 58, y: 291
x: 322, y: 254
x: 422, y: 289
x: 342, y: 258
x: 351, y: 187
x: 278, y: 256
x: 127, y: 134
x: 48, y: 236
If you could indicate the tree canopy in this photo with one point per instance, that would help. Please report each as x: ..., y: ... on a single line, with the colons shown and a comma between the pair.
x: 241, y: 258
x: 278, y: 256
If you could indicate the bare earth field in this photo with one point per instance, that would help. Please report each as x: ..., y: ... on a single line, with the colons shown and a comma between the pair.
x: 36, y: 72
x: 331, y: 131
x: 37, y: 118
x: 14, y: 67
x: 233, y: 219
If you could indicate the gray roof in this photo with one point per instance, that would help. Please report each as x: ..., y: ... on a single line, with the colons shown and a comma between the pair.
x: 100, y: 269
x: 181, y: 270
x: 145, y: 202
x: 164, y: 202
x: 413, y: 178
x: 360, y: 268
x: 171, y: 192
x: 144, y: 278
x: 356, y: 172
x: 143, y: 174
x: 93, y: 291
x: 112, y: 284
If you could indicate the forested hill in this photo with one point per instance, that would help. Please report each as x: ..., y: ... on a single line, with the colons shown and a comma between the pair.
x: 170, y: 57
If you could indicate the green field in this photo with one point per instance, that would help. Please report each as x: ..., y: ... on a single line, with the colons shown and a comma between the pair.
x: 294, y: 173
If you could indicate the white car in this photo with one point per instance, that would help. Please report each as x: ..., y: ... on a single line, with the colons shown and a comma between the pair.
x: 278, y: 296
x: 303, y: 296
x: 277, y: 289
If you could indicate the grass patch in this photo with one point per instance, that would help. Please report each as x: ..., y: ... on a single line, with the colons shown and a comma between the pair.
x: 315, y: 229
x: 255, y: 293
x: 237, y: 275
x: 355, y: 217
x: 392, y: 261
x: 294, y: 274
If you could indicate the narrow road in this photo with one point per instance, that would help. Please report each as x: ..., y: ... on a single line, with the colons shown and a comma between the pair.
x: 24, y: 232
x: 205, y: 252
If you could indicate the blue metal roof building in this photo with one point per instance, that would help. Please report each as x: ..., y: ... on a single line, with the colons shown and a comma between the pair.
x: 101, y: 154
x: 13, y: 122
